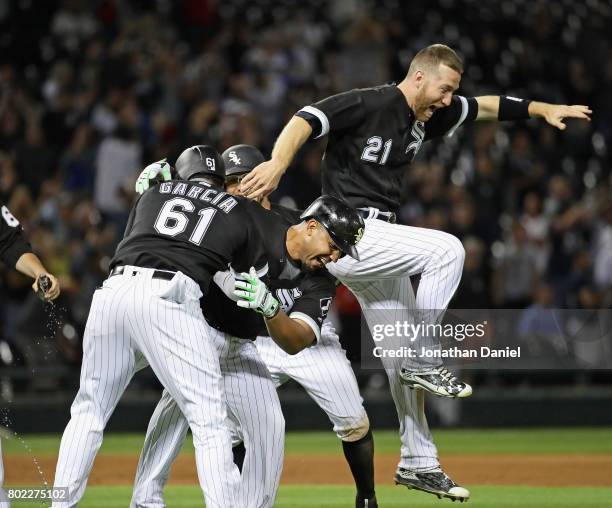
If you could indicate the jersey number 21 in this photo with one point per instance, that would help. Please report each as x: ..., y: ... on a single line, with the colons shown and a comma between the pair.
x: 372, y: 149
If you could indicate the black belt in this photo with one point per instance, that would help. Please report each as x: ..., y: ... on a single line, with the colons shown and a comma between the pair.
x: 157, y: 274
x: 375, y: 213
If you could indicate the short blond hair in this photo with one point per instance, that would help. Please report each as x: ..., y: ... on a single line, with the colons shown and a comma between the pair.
x: 432, y: 56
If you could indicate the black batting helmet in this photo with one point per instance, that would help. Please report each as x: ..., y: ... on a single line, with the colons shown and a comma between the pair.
x: 241, y: 159
x: 343, y: 223
x: 200, y: 160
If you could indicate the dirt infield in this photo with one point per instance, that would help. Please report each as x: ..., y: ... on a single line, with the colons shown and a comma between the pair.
x: 501, y: 469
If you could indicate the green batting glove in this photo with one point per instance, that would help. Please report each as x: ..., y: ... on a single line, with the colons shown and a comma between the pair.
x: 253, y: 294
x: 159, y: 170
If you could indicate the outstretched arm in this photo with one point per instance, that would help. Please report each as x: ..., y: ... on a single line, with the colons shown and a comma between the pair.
x: 554, y: 114
x: 264, y: 179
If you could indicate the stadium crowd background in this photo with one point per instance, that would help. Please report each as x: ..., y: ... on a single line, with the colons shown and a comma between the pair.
x: 91, y: 91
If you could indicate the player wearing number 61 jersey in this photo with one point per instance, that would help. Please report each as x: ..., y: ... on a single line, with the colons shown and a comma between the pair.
x: 189, y: 212
x: 148, y: 312
x: 296, y: 250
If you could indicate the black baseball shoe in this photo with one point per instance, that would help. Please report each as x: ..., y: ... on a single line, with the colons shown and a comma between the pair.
x: 437, y: 380
x: 435, y: 482
x: 360, y: 502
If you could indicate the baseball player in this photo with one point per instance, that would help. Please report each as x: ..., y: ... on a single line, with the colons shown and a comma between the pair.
x: 305, y: 296
x: 323, y: 369
x: 373, y: 136
x: 16, y: 252
x: 179, y: 234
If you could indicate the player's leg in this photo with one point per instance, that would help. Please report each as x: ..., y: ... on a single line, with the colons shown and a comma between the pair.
x: 168, y: 428
x: 418, y: 455
x: 254, y: 405
x: 394, y: 250
x: 165, y: 435
x: 180, y: 347
x: 391, y: 251
x: 108, y: 364
x: 418, y: 450
x: 326, y: 375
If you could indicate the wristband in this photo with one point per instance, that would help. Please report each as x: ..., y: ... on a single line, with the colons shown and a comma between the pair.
x: 270, y: 307
x: 512, y: 108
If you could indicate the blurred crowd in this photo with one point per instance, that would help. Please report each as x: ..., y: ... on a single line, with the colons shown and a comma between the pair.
x: 93, y: 90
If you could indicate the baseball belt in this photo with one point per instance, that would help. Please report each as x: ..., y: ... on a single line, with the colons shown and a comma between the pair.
x: 157, y: 274
x: 375, y: 213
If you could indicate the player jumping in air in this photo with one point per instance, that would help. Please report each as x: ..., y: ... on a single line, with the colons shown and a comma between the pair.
x: 373, y: 136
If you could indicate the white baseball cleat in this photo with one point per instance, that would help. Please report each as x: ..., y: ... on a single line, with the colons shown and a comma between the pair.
x: 438, y: 381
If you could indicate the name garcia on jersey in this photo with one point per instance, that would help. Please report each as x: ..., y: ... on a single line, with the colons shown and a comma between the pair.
x: 200, y: 191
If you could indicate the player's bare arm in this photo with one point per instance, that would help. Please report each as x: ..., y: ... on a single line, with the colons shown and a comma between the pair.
x: 29, y: 264
x: 554, y: 114
x: 16, y: 251
x: 292, y: 335
x: 264, y: 179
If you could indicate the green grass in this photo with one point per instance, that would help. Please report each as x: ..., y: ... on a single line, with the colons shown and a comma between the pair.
x: 321, y: 496
x: 546, y: 440
x: 577, y: 440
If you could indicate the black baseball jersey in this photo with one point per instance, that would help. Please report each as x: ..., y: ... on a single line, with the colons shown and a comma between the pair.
x: 13, y: 243
x: 373, y: 138
x: 303, y: 295
x: 192, y: 227
x: 289, y: 214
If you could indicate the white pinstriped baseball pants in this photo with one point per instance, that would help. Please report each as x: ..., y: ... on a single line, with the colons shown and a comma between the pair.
x: 135, y: 320
x: 390, y: 254
x: 326, y: 374
x: 254, y: 412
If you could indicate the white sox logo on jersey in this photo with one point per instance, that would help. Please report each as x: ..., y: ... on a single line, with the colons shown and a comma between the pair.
x: 418, y: 133
x: 287, y: 297
x: 234, y: 158
x: 325, y: 304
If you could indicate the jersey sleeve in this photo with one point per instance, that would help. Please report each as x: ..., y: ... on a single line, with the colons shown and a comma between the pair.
x: 12, y: 241
x: 318, y: 290
x: 334, y: 113
x: 446, y: 121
